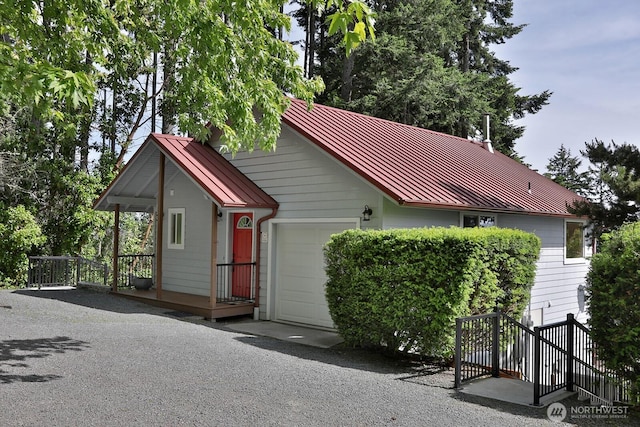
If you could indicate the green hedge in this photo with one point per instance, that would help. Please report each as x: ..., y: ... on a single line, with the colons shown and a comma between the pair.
x: 401, y: 290
x: 613, y: 294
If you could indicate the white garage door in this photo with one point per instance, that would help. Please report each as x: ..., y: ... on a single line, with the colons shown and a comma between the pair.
x: 300, y: 277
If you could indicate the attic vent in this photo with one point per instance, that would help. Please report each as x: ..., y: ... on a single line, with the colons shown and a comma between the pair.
x: 487, y: 141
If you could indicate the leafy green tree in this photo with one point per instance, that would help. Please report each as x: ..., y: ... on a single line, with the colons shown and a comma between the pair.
x: 20, y: 236
x: 564, y: 169
x: 223, y: 62
x: 613, y: 286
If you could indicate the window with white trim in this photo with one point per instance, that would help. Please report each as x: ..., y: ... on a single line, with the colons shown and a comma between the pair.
x: 176, y: 228
x: 478, y: 220
x: 574, y: 241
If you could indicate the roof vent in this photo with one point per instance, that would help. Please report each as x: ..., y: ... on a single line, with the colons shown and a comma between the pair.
x: 487, y: 141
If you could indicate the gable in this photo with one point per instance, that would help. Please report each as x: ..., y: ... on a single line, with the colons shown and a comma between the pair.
x: 136, y: 186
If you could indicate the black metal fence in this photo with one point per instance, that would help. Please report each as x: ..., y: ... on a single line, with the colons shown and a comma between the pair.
x: 51, y: 271
x: 491, y: 344
x: 235, y: 282
x: 134, y: 266
x: 552, y: 357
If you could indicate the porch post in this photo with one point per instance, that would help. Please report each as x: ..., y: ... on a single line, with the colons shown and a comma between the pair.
x: 213, y: 292
x: 160, y: 227
x: 116, y: 247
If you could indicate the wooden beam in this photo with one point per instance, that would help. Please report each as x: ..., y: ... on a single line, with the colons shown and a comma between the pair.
x: 214, y: 256
x: 160, y: 227
x: 116, y: 247
x: 135, y: 201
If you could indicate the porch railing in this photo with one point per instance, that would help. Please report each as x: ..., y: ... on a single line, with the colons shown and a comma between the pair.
x: 51, y: 271
x: 235, y: 282
x: 137, y: 265
x: 552, y: 357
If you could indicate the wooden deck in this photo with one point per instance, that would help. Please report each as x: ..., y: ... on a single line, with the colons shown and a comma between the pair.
x: 189, y: 303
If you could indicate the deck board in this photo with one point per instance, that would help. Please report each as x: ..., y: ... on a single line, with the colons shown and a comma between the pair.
x: 196, y: 304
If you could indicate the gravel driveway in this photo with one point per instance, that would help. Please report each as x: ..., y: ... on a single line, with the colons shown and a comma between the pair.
x: 83, y: 358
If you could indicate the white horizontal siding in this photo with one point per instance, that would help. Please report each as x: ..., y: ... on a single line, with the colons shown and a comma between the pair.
x: 188, y: 270
x: 405, y: 217
x: 555, y: 289
x: 306, y: 182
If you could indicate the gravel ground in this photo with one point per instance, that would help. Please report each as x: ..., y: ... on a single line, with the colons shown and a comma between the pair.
x: 83, y: 358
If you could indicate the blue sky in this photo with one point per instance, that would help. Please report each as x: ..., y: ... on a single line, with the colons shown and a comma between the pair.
x: 587, y: 52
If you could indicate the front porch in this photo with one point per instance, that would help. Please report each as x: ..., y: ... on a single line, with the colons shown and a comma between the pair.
x: 234, y: 293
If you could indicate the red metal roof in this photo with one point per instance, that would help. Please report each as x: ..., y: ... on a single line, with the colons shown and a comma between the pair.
x: 219, y: 178
x: 419, y: 167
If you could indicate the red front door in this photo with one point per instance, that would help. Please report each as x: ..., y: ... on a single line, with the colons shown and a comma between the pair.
x: 242, y: 254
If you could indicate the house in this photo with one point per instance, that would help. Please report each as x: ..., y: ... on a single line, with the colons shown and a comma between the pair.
x: 249, y: 230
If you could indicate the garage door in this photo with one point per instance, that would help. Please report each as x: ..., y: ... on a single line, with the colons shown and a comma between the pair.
x: 300, y: 278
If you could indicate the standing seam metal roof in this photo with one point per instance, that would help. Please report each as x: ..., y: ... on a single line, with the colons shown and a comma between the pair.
x: 419, y: 167
x: 220, y: 179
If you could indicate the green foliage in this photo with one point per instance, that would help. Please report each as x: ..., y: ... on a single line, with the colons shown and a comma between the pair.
x: 402, y: 289
x: 613, y: 287
x: 20, y: 236
x: 563, y: 168
x: 511, y: 255
x: 432, y: 67
x: 222, y: 61
x: 614, y: 197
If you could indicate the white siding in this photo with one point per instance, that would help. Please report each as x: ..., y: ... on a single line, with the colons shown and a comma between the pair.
x: 555, y: 290
x: 406, y: 217
x: 188, y: 270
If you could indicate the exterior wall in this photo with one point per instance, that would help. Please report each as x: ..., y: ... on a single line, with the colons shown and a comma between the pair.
x: 188, y: 270
x: 406, y: 217
x: 307, y: 184
x: 556, y: 290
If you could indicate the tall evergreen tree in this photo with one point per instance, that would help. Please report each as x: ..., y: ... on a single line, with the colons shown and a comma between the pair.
x: 564, y: 169
x: 432, y: 66
x: 615, y: 196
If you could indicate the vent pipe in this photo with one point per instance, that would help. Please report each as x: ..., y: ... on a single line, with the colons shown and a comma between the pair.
x: 487, y: 141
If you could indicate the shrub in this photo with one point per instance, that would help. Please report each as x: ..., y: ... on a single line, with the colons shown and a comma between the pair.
x: 613, y: 294
x: 402, y: 290
x: 19, y: 235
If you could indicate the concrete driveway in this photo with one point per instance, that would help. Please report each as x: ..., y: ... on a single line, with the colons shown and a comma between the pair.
x: 82, y: 358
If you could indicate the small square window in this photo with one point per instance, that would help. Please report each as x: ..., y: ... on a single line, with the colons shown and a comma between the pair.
x: 176, y: 228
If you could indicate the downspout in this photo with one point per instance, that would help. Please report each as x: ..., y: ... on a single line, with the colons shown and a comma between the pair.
x: 256, y: 301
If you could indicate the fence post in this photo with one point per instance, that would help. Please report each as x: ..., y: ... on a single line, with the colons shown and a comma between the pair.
x: 78, y: 270
x: 495, y: 345
x: 458, y: 354
x: 570, y: 353
x: 536, y: 367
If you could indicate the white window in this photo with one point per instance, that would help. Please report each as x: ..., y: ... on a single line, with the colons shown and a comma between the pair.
x: 176, y: 228
x: 478, y: 220
x: 574, y: 242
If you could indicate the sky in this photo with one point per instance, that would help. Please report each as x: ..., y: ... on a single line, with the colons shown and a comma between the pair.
x: 587, y: 52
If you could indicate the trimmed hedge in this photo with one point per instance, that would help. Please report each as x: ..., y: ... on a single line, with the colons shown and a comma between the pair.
x: 613, y: 295
x: 401, y: 290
